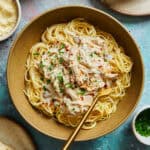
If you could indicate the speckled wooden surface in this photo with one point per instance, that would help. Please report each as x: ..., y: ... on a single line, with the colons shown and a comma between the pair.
x: 122, y: 138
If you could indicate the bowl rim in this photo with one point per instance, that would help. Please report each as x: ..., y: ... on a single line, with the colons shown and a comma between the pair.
x: 133, y: 124
x: 17, y: 22
x: 98, y: 11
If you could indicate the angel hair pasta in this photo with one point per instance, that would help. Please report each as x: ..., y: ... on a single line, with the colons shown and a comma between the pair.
x: 73, y: 63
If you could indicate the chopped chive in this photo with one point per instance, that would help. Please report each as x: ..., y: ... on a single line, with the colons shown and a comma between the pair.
x: 48, y: 81
x: 79, y: 58
x: 70, y: 71
x: 69, y: 85
x: 50, y: 68
x: 36, y: 53
x: 41, y: 64
x: 42, y: 79
x: 61, y: 51
x: 105, y: 60
x: 81, y: 91
x: 142, y: 123
x: 60, y: 78
x: 91, y: 54
x: 44, y: 88
x: 61, y: 60
x: 61, y: 90
x: 54, y: 56
x: 62, y: 46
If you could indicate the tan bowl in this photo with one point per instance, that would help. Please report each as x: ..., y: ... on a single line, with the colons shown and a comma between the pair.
x: 32, y: 33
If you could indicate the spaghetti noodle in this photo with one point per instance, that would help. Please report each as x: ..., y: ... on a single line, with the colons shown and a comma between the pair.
x: 73, y: 63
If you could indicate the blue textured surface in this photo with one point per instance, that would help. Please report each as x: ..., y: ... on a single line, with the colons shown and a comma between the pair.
x: 122, y: 138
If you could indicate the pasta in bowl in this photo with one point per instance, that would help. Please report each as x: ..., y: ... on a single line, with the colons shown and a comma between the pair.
x: 62, y: 60
x: 73, y: 63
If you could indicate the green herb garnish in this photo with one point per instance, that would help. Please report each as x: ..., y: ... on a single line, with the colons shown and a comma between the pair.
x: 48, y: 81
x: 55, y: 56
x: 36, y: 54
x: 61, y: 90
x: 42, y: 79
x: 60, y: 78
x: 50, y: 68
x: 61, y: 60
x: 105, y: 60
x: 70, y: 71
x: 81, y: 91
x: 78, y: 58
x: 142, y: 123
x: 69, y: 85
x: 44, y: 88
x: 62, y: 46
x: 93, y: 54
x: 41, y: 64
x: 61, y: 51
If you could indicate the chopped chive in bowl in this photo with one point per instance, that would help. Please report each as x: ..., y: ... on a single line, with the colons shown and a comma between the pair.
x: 142, y: 123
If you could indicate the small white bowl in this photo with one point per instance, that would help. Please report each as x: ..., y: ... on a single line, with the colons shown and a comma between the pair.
x: 17, y: 23
x: 142, y: 139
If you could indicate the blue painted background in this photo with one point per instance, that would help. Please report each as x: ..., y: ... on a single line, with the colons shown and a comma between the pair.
x: 122, y: 138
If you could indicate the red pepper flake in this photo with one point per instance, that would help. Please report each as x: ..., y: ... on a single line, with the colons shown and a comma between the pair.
x: 105, y: 85
x: 67, y: 48
x: 92, y: 94
x: 51, y: 104
x: 81, y: 98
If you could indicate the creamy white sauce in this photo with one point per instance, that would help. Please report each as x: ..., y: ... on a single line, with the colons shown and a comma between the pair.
x: 90, y: 71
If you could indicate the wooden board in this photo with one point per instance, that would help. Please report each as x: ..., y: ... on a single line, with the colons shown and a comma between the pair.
x: 129, y: 7
x: 14, y: 135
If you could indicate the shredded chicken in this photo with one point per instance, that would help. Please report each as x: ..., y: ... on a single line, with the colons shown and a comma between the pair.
x: 76, y: 72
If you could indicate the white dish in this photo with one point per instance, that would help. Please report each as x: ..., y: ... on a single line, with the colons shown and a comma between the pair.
x: 17, y: 23
x: 129, y: 7
x: 142, y: 139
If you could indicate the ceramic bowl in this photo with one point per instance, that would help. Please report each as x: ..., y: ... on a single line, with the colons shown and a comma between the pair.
x: 17, y: 23
x: 142, y: 139
x: 32, y: 33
